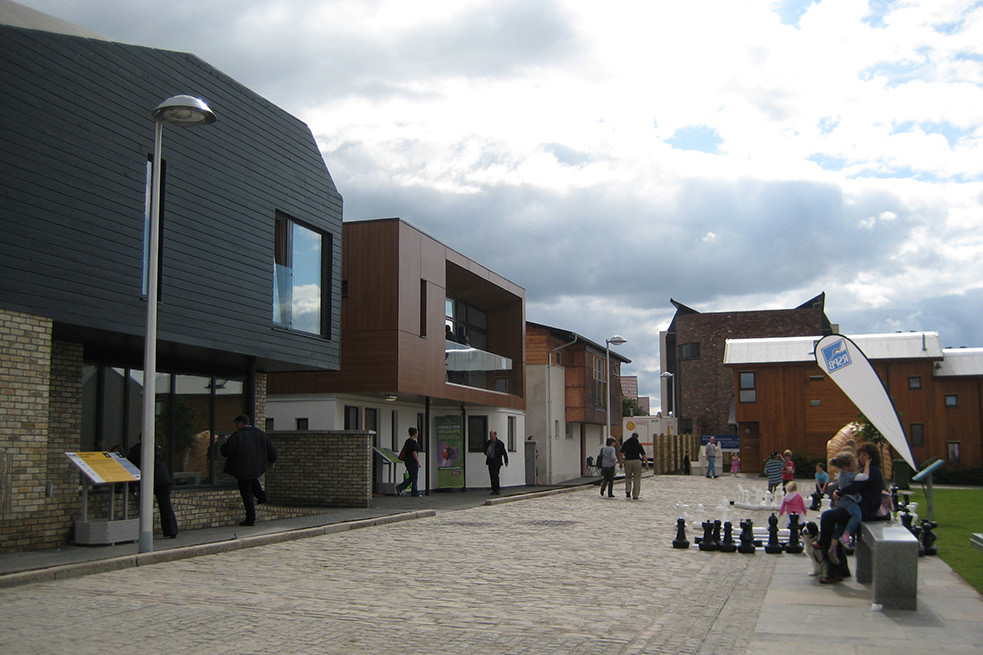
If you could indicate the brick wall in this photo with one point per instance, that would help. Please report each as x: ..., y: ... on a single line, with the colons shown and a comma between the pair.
x: 322, y: 469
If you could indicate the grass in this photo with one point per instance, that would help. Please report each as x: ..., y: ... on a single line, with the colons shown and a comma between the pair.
x: 959, y: 513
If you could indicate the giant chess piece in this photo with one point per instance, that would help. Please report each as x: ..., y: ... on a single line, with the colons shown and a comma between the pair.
x: 716, y: 533
x: 894, y: 499
x: 727, y: 545
x: 747, y: 537
x: 680, y: 541
x: 906, y: 519
x: 817, y: 498
x: 707, y: 542
x: 794, y: 545
x: 929, y: 537
x: 773, y: 547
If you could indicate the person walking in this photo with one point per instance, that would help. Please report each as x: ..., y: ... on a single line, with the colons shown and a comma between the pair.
x: 712, y: 451
x: 495, y: 455
x: 606, y: 461
x: 773, y: 469
x: 633, y: 458
x: 162, y: 488
x: 410, y: 454
x: 249, y: 453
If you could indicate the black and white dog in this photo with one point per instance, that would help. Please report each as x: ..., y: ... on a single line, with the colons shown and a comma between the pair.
x: 809, y: 532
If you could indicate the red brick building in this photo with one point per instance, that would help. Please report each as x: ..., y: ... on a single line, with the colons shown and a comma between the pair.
x: 699, y: 387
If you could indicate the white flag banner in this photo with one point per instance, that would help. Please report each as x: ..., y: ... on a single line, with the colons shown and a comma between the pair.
x: 849, y: 368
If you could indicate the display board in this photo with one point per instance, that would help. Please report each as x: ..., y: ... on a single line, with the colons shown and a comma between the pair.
x: 103, y: 467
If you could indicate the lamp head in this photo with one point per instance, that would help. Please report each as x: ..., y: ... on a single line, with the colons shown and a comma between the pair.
x: 186, y: 111
x: 617, y: 340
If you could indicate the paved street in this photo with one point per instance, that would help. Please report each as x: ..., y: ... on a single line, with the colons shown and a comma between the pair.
x: 566, y: 573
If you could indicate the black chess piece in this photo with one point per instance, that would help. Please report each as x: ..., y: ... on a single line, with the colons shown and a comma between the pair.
x: 794, y: 545
x: 929, y: 537
x: 894, y: 497
x: 747, y: 537
x: 716, y: 533
x: 680, y: 541
x: 906, y: 519
x: 727, y: 545
x: 773, y: 547
x: 707, y: 543
x: 817, y: 501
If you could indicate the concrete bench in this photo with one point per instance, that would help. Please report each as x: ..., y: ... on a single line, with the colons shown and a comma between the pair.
x: 887, y: 559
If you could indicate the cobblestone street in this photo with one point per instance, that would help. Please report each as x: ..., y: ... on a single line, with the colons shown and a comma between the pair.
x: 567, y: 573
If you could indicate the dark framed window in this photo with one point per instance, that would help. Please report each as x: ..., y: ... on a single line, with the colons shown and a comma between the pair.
x: 302, y: 424
x: 477, y: 433
x: 269, y: 425
x: 301, y: 277
x: 352, y: 418
x: 914, y: 382
x: 951, y: 400
x: 689, y: 350
x: 917, y: 434
x: 748, y: 391
x: 952, y: 452
x: 511, y: 445
x: 600, y: 381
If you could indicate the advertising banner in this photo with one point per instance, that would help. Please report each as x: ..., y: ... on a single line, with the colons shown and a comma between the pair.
x: 850, y: 369
x: 450, y: 452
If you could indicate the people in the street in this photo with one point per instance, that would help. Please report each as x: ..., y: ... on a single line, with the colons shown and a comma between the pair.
x: 773, y: 469
x: 410, y: 455
x: 495, y: 455
x: 162, y: 487
x: 606, y: 461
x: 687, y: 465
x: 788, y: 469
x: 735, y: 464
x: 792, y: 503
x: 249, y: 453
x: 822, y: 478
x: 712, y: 450
x: 633, y: 458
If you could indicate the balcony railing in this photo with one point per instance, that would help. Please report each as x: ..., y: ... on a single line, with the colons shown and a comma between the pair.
x: 473, y: 367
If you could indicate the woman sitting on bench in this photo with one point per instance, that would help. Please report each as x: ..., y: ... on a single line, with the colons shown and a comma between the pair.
x: 833, y: 521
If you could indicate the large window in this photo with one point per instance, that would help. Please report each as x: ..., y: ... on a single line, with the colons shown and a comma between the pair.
x: 301, y: 257
x: 189, y: 413
x: 466, y: 324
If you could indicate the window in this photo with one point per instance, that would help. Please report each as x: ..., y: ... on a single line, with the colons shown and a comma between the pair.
x: 302, y: 424
x: 512, y: 436
x: 301, y: 263
x: 952, y: 452
x: 600, y: 381
x: 477, y: 433
x: 914, y: 382
x: 558, y: 358
x: 689, y: 350
x: 951, y: 400
x: 190, y: 412
x: 748, y: 391
x: 917, y: 434
x: 423, y: 308
x: 569, y: 433
x: 352, y: 416
x: 466, y: 323
x: 269, y: 425
x: 372, y: 420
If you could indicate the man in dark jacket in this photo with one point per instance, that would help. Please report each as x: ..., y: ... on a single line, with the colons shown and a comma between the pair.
x: 162, y: 487
x: 495, y: 455
x: 248, y: 453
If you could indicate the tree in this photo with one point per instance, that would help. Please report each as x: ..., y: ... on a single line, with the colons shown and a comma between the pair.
x: 630, y: 407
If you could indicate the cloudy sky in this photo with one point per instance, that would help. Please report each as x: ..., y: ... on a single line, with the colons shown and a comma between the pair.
x: 610, y: 156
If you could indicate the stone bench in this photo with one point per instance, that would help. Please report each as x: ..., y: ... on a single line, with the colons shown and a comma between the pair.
x: 887, y: 560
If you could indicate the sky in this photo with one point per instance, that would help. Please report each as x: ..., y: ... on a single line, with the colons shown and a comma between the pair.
x: 610, y: 156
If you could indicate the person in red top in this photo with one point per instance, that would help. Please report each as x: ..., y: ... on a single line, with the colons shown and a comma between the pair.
x: 788, y: 469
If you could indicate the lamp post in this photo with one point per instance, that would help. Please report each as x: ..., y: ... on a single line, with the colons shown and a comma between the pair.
x: 668, y: 377
x: 616, y: 340
x: 186, y: 111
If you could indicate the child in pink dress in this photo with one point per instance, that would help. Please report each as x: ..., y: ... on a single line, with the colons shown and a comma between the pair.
x: 792, y: 503
x: 735, y: 464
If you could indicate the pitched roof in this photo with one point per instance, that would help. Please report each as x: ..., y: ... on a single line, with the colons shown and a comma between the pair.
x: 898, y: 345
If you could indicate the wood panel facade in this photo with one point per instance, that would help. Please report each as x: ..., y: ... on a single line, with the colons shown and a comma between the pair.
x: 396, y: 280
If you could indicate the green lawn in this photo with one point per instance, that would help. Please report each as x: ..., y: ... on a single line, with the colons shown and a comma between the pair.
x: 959, y: 513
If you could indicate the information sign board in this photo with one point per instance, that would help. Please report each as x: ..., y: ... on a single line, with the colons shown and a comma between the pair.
x: 105, y: 467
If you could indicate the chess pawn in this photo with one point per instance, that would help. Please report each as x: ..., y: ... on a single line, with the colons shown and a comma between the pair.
x: 680, y: 541
x: 727, y: 545
x: 747, y: 538
x: 773, y: 547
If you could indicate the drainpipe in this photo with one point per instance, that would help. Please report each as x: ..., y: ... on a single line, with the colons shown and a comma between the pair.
x: 549, y: 409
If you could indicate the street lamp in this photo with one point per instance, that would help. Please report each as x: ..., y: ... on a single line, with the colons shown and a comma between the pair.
x: 186, y: 111
x: 616, y: 340
x: 668, y: 376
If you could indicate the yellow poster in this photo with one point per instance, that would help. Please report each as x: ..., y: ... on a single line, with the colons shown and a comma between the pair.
x: 105, y: 467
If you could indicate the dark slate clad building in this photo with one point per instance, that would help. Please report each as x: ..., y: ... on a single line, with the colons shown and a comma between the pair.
x: 249, y: 264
